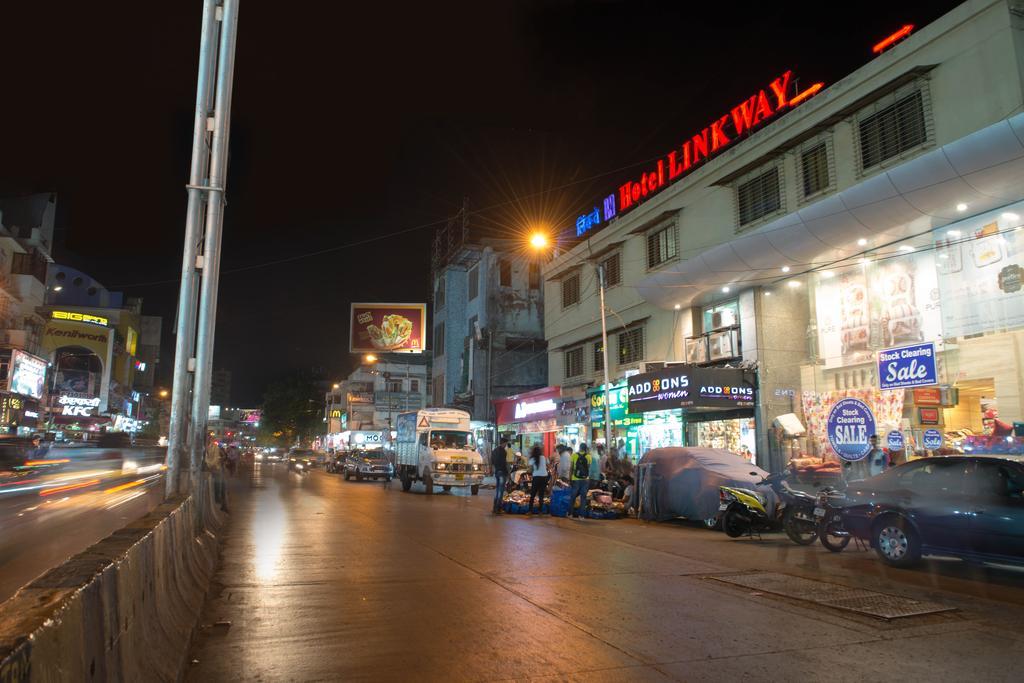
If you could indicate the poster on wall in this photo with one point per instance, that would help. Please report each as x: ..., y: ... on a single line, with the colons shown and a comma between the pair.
x: 28, y: 374
x: 850, y: 426
x: 865, y: 308
x: 390, y: 328
x: 908, y: 366
x: 980, y: 264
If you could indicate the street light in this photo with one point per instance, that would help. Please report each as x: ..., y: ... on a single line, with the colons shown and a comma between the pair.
x: 369, y: 358
x: 539, y: 241
x: 164, y: 393
x: 336, y: 386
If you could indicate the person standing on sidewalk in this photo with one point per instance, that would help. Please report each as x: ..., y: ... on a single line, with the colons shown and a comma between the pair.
x: 564, y: 461
x: 500, y: 466
x: 579, y: 467
x: 596, y: 468
x: 213, y: 460
x: 539, y: 479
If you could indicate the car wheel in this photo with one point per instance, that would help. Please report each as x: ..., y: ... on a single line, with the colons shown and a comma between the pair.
x: 474, y: 489
x: 447, y: 488
x: 428, y: 481
x: 712, y: 523
x: 406, y: 482
x: 896, y: 542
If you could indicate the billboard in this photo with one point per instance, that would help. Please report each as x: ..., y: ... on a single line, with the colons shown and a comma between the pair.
x: 688, y: 386
x: 28, y: 374
x: 388, y: 328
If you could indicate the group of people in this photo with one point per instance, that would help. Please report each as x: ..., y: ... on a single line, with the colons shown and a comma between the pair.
x: 582, y: 469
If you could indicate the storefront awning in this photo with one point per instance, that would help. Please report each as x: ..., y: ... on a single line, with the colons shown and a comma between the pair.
x: 984, y: 170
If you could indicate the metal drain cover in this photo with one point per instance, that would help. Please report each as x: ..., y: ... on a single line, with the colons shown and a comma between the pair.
x: 870, y: 603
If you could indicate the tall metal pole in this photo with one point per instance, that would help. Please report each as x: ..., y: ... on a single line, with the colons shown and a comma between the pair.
x: 604, y: 350
x: 184, y: 341
x: 212, y: 243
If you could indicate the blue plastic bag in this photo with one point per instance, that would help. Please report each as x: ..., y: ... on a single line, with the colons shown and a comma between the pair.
x: 560, y: 502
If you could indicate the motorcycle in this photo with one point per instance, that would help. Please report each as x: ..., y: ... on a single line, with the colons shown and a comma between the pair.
x: 744, y: 511
x: 831, y: 532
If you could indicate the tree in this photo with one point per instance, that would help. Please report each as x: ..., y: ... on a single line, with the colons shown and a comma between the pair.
x: 291, y: 411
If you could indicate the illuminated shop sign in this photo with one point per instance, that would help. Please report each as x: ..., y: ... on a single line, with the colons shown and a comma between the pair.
x: 687, y: 386
x: 74, y: 316
x: 525, y: 409
x: 78, y: 406
x: 746, y: 116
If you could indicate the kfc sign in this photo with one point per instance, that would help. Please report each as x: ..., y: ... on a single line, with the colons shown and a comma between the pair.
x: 78, y: 406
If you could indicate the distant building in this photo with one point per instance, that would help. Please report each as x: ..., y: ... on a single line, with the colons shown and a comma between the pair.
x: 488, y: 313
x: 26, y: 235
x: 220, y: 388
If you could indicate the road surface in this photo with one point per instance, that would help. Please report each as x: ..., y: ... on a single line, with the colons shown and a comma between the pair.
x: 47, y: 517
x: 323, y: 579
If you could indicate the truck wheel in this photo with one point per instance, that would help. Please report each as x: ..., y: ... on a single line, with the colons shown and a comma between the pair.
x: 428, y: 481
x: 359, y: 477
x: 406, y: 482
x: 474, y: 489
x: 447, y: 488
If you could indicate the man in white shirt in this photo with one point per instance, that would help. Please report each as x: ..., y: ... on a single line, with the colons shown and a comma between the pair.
x: 564, y: 460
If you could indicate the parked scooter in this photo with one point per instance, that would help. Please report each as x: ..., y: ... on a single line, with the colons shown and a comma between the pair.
x: 831, y: 532
x: 744, y: 511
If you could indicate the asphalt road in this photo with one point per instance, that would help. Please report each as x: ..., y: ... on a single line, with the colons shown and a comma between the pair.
x: 329, y: 580
x: 63, y: 514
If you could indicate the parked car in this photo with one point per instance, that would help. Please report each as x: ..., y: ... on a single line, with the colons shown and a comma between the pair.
x: 970, y: 507
x: 685, y: 482
x: 367, y: 465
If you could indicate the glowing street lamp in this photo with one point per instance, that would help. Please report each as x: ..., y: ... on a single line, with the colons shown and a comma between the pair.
x: 538, y: 240
x: 164, y: 393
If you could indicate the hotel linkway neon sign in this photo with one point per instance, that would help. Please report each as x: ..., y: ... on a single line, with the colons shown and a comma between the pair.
x: 746, y: 116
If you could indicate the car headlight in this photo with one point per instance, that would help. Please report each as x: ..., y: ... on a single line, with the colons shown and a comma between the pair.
x: 298, y: 465
x: 476, y: 468
x: 440, y: 466
x: 129, y: 465
x: 259, y: 457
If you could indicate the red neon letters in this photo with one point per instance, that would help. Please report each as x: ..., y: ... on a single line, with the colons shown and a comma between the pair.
x: 742, y: 118
x: 899, y: 35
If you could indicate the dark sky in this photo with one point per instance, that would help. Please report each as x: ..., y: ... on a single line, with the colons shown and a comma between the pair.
x: 358, y: 120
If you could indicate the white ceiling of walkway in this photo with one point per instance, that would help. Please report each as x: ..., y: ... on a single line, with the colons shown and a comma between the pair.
x: 984, y: 170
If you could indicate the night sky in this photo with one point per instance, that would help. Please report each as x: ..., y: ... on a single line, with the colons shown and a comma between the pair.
x: 355, y: 121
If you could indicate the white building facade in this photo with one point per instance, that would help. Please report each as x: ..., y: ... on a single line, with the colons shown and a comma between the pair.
x: 802, y: 234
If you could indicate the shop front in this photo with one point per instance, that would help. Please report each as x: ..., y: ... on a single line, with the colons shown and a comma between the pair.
x: 685, y: 405
x: 625, y: 427
x: 929, y: 338
x: 532, y: 418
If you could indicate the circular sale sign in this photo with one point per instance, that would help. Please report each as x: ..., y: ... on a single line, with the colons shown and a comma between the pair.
x: 850, y: 424
x: 895, y: 441
x: 932, y: 439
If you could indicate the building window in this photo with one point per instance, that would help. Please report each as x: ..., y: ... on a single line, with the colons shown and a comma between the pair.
x: 661, y: 246
x: 759, y: 197
x: 892, y: 130
x: 631, y: 346
x: 571, y: 290
x: 534, y: 276
x: 474, y: 282
x: 439, y: 339
x: 598, y: 356
x: 574, y: 362
x: 414, y: 386
x: 504, y: 273
x: 612, y: 270
x: 439, y: 293
x: 814, y: 170
x: 393, y: 386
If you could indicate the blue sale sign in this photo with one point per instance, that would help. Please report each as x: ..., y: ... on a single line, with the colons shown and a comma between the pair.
x: 907, y: 366
x: 895, y: 441
x: 932, y: 439
x: 850, y: 424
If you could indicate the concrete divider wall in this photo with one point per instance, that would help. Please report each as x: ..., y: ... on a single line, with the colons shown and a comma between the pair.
x: 123, y: 610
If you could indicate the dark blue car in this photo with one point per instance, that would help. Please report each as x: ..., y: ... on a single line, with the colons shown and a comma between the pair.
x: 970, y: 507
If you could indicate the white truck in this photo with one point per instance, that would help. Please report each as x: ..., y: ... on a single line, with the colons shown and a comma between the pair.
x: 435, y: 446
